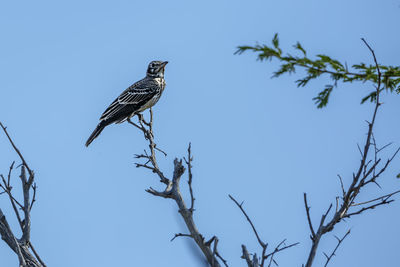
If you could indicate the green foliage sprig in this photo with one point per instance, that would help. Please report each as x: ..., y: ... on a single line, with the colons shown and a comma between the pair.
x: 337, y: 71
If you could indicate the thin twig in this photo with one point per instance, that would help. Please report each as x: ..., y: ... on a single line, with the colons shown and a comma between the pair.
x: 262, y: 244
x: 36, y: 255
x: 18, y: 152
x: 309, y: 217
x: 384, y: 202
x: 360, y: 180
x: 9, y: 173
x: 172, y: 190
x: 20, y: 246
x: 342, y: 186
x: 328, y: 258
x: 277, y: 249
x: 14, y: 202
x: 180, y: 234
x: 225, y: 262
x: 190, y: 175
x: 375, y: 199
x: 34, y: 187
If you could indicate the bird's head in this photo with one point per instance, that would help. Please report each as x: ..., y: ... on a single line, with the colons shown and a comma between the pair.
x: 156, y: 69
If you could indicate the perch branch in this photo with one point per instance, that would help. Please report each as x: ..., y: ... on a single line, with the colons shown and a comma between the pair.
x: 172, y: 190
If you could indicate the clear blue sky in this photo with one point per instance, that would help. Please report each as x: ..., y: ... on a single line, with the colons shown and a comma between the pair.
x: 260, y: 139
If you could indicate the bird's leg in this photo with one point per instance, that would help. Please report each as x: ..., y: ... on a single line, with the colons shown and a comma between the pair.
x: 141, y: 119
x: 147, y: 132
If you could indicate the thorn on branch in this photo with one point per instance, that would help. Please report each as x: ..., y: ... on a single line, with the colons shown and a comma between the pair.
x: 180, y: 234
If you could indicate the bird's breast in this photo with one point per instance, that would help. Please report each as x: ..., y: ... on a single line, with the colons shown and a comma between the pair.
x: 151, y: 102
x: 160, y: 82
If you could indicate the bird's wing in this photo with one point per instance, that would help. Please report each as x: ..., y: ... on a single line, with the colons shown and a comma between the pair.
x: 135, y: 95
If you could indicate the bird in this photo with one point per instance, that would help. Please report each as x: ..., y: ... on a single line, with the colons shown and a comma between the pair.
x: 136, y: 98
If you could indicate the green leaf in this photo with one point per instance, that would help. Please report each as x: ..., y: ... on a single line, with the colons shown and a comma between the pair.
x: 371, y: 97
x: 322, y: 99
x: 241, y: 49
x: 324, y: 58
x: 359, y: 66
x: 324, y: 65
x: 275, y: 41
x: 398, y: 175
x: 285, y: 68
x: 299, y: 47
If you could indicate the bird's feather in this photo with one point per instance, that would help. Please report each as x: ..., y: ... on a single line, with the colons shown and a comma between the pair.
x: 137, y: 94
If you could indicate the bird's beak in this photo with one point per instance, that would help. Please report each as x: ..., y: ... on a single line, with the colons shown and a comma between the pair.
x: 164, y: 63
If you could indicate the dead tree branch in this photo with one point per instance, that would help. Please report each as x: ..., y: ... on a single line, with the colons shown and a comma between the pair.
x: 340, y: 240
x: 190, y: 176
x: 255, y: 261
x: 172, y: 190
x: 27, y: 255
x: 368, y: 172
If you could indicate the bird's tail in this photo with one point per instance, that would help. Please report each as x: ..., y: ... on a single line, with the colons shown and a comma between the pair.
x: 96, y: 132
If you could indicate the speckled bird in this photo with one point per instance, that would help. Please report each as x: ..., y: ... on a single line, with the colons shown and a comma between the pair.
x: 138, y: 97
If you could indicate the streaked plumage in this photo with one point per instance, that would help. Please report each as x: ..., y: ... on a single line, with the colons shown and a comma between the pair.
x: 138, y: 97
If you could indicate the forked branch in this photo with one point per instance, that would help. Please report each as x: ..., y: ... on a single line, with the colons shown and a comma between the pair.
x: 27, y: 255
x: 255, y: 261
x: 172, y: 191
x: 368, y: 172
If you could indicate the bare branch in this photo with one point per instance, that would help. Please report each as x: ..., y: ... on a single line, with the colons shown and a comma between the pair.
x: 383, y: 202
x: 328, y: 258
x: 222, y: 259
x: 36, y: 255
x: 262, y: 244
x: 31, y: 174
x: 23, y: 245
x: 180, y: 234
x: 172, y: 190
x: 309, y: 217
x: 215, y: 251
x: 7, y: 189
x: 364, y: 175
x: 9, y: 173
x: 376, y: 199
x: 255, y: 262
x: 324, y: 216
x: 246, y: 256
x: 342, y: 186
x: 278, y: 249
x: 148, y: 134
x: 34, y: 187
x: 190, y: 175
